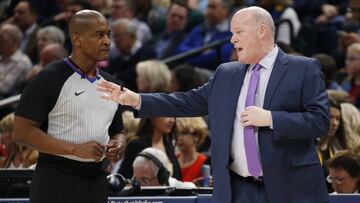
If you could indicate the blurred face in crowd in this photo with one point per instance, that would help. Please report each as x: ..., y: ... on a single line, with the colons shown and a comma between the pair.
x: 71, y: 9
x: 245, y: 37
x: 163, y: 124
x: 353, y: 62
x: 355, y: 9
x: 97, y: 3
x: 119, y: 9
x: 342, y: 182
x: 6, y: 42
x: 123, y: 40
x: 142, y: 82
x: 145, y: 175
x: 5, y: 139
x: 334, y: 120
x: 174, y: 83
x: 176, y: 18
x: 42, y: 40
x: 94, y: 41
x: 186, y: 140
x: 215, y: 12
x: 22, y: 15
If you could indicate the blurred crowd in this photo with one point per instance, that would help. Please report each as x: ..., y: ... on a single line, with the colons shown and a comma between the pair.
x: 35, y: 33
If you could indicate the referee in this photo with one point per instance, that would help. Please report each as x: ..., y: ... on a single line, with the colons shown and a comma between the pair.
x: 61, y: 115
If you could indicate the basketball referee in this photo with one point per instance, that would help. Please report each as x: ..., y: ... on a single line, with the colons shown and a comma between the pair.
x: 61, y: 115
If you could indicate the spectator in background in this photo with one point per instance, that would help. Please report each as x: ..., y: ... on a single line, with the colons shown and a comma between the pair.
x: 352, y: 82
x: 215, y: 28
x: 160, y: 133
x: 102, y: 6
x: 13, y: 62
x: 339, y: 96
x: 151, y: 13
x: 17, y: 156
x: 328, y: 66
x: 150, y: 170
x: 50, y: 53
x: 176, y: 19
x: 49, y: 34
x: 153, y: 76
x: 281, y: 10
x: 131, y: 125
x: 328, y: 145
x: 344, y: 172
x: 192, y: 133
x: 349, y: 31
x: 6, y: 142
x: 125, y: 9
x: 350, y: 126
x: 186, y: 77
x: 132, y: 51
x: 25, y: 16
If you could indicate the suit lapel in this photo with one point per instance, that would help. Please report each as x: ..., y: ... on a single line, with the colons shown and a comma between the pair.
x: 276, y: 75
x: 235, y: 85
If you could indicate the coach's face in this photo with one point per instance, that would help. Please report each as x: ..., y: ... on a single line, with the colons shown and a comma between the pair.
x: 94, y: 42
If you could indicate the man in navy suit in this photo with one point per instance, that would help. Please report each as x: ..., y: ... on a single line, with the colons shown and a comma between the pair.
x: 290, y: 111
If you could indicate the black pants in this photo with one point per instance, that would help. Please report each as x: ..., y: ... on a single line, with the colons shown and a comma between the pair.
x: 60, y: 180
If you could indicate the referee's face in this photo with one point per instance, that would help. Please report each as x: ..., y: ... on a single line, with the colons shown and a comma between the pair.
x: 95, y: 42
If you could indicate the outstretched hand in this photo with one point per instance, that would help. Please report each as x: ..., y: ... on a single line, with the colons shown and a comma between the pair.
x: 118, y: 94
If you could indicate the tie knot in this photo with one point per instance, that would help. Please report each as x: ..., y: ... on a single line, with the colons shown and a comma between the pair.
x: 257, y: 67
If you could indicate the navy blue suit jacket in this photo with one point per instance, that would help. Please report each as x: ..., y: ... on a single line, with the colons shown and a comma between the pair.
x: 298, y: 101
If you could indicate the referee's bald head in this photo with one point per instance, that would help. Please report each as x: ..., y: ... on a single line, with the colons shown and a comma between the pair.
x: 82, y: 20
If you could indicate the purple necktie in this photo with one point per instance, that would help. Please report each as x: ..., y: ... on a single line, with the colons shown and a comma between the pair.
x: 249, y: 131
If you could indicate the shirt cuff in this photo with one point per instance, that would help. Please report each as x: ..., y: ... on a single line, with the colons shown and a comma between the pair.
x: 138, y: 107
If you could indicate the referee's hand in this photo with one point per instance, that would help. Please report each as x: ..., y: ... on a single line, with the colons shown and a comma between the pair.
x: 114, y: 150
x: 90, y: 150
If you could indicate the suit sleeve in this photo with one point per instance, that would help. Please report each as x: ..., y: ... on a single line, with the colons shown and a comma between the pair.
x: 178, y: 104
x: 314, y: 120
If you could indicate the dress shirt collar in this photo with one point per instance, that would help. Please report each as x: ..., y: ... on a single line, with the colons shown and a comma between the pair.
x: 268, y: 61
x: 30, y: 30
x: 136, y: 47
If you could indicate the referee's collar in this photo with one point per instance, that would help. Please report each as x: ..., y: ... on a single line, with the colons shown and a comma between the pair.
x: 76, y: 68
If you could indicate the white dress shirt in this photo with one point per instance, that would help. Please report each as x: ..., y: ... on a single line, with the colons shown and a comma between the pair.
x: 239, y: 165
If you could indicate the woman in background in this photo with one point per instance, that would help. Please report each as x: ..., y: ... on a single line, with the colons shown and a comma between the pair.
x: 159, y: 133
x: 192, y: 133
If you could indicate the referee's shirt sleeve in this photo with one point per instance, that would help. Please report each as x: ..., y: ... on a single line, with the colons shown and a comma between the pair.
x: 38, y: 98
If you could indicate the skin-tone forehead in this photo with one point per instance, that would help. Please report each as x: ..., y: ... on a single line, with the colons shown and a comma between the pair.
x: 245, y: 14
x: 85, y: 19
